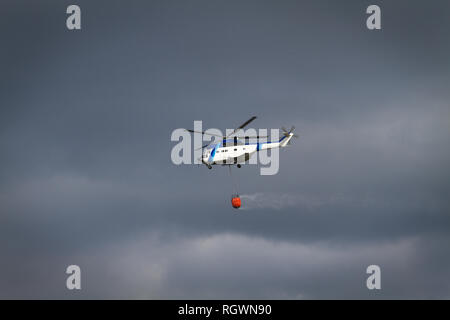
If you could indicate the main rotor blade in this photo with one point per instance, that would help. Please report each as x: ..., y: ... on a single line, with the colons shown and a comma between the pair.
x: 252, y: 137
x: 203, y: 132
x: 204, y: 146
x: 242, y: 126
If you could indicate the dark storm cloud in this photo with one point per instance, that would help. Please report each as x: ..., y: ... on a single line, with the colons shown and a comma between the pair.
x: 86, y: 176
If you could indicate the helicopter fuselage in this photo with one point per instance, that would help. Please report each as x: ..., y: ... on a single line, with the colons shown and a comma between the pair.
x: 229, y: 152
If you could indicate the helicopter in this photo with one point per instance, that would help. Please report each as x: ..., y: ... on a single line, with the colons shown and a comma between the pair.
x: 234, y: 150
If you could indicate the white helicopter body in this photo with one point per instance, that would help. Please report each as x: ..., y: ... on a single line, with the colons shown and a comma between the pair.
x: 233, y: 150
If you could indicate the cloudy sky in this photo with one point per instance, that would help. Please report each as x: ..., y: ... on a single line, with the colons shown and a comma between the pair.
x: 86, y: 176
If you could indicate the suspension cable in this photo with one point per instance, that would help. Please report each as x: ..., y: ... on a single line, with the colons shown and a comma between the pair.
x: 233, y: 181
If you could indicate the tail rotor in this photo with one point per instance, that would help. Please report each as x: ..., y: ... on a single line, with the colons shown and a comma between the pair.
x: 288, y: 133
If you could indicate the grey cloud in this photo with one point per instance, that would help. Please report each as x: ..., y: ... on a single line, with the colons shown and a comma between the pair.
x: 236, y: 266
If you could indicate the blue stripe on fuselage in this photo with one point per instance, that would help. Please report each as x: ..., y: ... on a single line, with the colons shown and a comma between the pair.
x: 213, y: 153
x: 258, y: 145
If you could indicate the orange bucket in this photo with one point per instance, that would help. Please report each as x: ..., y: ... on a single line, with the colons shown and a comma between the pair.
x: 236, y: 201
